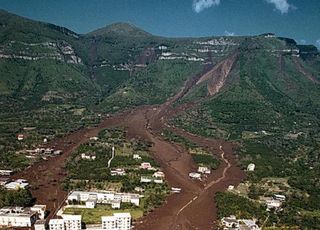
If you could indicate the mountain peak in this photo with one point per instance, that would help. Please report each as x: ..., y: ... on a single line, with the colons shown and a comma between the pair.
x: 120, y: 29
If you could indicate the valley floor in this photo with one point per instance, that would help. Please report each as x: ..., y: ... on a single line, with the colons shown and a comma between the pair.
x: 193, y: 208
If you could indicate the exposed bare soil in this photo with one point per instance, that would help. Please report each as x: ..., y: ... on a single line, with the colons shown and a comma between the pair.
x: 193, y: 208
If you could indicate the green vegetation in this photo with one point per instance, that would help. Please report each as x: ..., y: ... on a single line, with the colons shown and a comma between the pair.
x: 20, y: 198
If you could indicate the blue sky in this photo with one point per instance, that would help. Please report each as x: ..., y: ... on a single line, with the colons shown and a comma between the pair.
x: 298, y: 19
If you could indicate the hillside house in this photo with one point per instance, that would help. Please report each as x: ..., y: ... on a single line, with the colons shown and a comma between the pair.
x: 20, y: 137
x: 251, y: 167
x: 136, y: 157
x: 4, y: 172
x: 232, y: 222
x: 94, y: 138
x: 145, y: 179
x: 158, y: 174
x: 40, y: 225
x: 204, y: 169
x: 273, y: 204
x: 145, y: 165
x: 118, y: 172
x: 16, y: 185
x: 195, y: 175
x: 88, y: 156
x: 279, y: 197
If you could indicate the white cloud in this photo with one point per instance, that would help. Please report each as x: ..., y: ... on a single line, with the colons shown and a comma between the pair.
x: 303, y: 41
x: 200, y: 5
x: 227, y: 33
x: 318, y: 42
x: 282, y: 5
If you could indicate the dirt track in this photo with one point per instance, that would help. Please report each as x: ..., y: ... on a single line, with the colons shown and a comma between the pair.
x: 193, y: 208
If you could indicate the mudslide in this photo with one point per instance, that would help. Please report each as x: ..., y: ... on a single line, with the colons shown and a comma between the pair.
x: 193, y: 208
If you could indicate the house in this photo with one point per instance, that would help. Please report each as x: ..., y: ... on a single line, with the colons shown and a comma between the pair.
x: 94, y: 138
x: 136, y: 157
x: 204, y: 169
x: 57, y: 152
x: 145, y: 179
x: 158, y: 174
x: 72, y: 222
x: 175, y: 190
x: 158, y: 181
x: 16, y: 185
x: 230, y: 222
x: 273, y: 204
x: 119, y: 221
x: 138, y: 189
x: 20, y: 137
x: 162, y: 47
x: 40, y: 209
x: 4, y: 172
x: 88, y: 156
x: 230, y: 187
x: 145, y: 165
x: 17, y: 217
x: 279, y: 197
x: 194, y: 175
x: 56, y: 224
x: 251, y: 167
x: 118, y: 172
x: 45, y: 140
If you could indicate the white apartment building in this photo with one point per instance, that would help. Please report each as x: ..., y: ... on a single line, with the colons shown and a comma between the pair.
x: 72, y: 222
x: 119, y: 221
x: 56, y: 224
x: 17, y: 217
x: 68, y: 222
x: 103, y: 197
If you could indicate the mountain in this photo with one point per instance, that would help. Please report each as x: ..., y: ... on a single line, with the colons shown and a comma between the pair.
x: 261, y: 92
x: 120, y: 29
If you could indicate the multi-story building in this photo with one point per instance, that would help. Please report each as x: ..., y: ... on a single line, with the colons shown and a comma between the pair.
x: 17, y: 217
x: 68, y: 222
x: 56, y: 224
x: 119, y: 221
x: 72, y: 222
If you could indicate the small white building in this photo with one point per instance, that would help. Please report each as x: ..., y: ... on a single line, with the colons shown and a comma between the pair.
x: 145, y: 165
x: 145, y: 179
x: 88, y: 156
x: 230, y: 187
x: 16, y: 185
x: 204, y: 169
x: 94, y: 138
x: 273, y: 204
x: 158, y: 174
x: 20, y: 137
x: 56, y: 224
x: 4, y: 172
x: 158, y: 181
x: 251, y: 167
x: 136, y: 157
x: 279, y: 197
x: 195, y: 175
x: 118, y: 172
x: 230, y: 222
